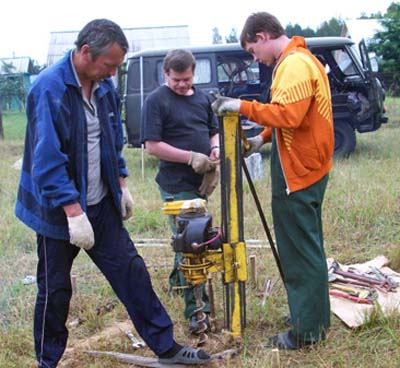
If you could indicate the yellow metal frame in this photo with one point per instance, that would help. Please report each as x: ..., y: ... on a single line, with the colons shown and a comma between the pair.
x: 234, y: 247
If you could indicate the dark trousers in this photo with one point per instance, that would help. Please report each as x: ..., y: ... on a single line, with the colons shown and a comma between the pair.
x: 176, y: 278
x: 299, y: 237
x: 116, y: 256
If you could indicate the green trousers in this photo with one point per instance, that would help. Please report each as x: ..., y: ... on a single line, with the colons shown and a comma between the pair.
x: 299, y: 237
x: 177, y: 279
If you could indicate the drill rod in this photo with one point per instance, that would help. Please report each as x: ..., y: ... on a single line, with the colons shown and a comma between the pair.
x: 262, y: 217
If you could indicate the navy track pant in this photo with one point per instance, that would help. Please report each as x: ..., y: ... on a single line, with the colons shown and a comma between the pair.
x: 116, y: 256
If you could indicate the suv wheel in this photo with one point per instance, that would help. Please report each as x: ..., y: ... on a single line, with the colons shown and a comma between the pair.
x: 345, y: 139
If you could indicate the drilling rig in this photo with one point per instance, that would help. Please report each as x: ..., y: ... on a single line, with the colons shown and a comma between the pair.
x: 207, y: 249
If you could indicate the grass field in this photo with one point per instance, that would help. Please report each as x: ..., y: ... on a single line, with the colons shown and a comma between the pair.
x: 361, y: 220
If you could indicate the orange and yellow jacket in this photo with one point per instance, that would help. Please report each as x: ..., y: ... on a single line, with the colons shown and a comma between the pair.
x: 301, y: 111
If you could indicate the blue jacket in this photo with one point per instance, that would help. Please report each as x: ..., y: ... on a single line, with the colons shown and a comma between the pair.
x: 54, y: 170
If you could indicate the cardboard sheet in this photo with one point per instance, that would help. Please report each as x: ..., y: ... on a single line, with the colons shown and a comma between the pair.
x: 354, y: 314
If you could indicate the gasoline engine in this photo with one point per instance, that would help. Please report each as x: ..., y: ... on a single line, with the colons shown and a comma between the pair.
x: 194, y: 231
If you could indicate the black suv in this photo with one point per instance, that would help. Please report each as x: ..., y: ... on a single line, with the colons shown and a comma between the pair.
x: 357, y: 94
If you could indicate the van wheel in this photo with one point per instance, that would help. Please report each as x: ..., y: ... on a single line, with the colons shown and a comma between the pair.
x: 345, y: 139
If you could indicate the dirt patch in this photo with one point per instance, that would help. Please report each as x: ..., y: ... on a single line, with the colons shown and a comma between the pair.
x: 114, y: 340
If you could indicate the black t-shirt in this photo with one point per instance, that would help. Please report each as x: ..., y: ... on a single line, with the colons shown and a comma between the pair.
x: 185, y: 122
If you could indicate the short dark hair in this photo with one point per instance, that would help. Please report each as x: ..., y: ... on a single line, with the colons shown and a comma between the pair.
x: 100, y: 35
x: 260, y: 22
x: 179, y: 60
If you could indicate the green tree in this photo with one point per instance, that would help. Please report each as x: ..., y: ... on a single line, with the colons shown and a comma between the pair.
x: 291, y: 31
x: 386, y: 44
x: 11, y: 85
x: 232, y: 38
x: 216, y: 36
x: 377, y: 15
x: 37, y: 68
x: 332, y: 27
x: 308, y: 32
x: 3, y: 89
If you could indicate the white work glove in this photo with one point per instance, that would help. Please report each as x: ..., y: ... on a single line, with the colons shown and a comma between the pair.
x: 126, y: 203
x: 210, y: 181
x: 201, y: 163
x: 225, y: 104
x: 255, y: 145
x: 80, y: 231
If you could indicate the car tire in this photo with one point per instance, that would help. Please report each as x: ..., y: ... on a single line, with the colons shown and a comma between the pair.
x: 345, y: 139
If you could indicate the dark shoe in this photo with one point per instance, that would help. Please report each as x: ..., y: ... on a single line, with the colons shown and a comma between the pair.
x: 283, y: 340
x: 187, y: 355
x: 196, y: 326
x: 286, y: 341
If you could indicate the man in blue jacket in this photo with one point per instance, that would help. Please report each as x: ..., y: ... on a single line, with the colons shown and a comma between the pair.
x: 72, y: 193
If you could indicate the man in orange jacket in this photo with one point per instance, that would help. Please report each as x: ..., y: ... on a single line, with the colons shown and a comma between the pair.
x: 299, y: 123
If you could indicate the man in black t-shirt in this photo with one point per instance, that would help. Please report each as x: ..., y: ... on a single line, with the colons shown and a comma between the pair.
x: 179, y: 127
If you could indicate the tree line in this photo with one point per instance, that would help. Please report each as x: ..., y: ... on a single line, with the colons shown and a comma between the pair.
x: 332, y: 27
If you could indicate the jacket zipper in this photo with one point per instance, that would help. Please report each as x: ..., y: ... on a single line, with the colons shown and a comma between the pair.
x: 276, y: 129
x: 280, y: 161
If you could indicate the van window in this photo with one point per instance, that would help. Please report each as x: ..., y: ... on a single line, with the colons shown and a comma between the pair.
x: 202, y: 74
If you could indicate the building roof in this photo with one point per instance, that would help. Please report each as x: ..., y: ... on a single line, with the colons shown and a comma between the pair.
x: 138, y: 38
x: 358, y: 29
x: 22, y: 64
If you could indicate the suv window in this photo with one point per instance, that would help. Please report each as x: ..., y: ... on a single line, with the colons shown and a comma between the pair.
x: 344, y: 62
x: 237, y: 70
x: 238, y: 76
x: 357, y: 95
